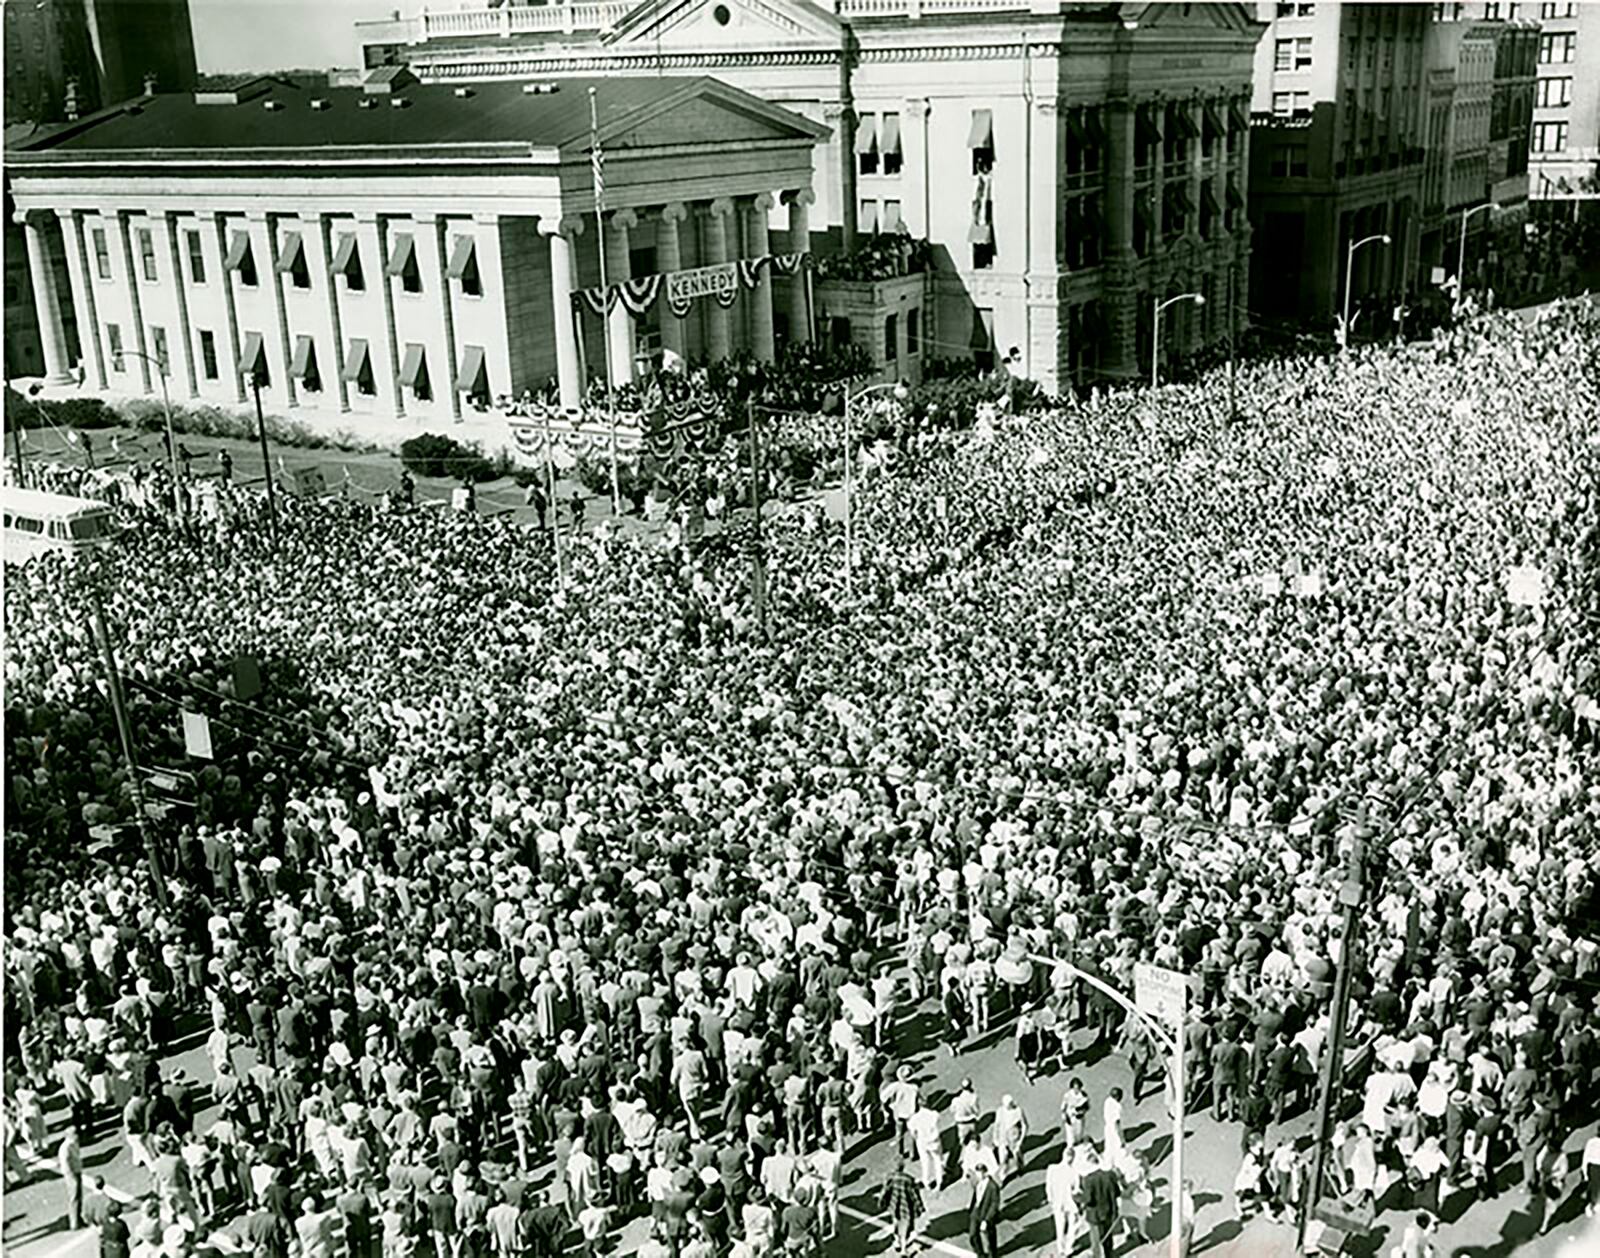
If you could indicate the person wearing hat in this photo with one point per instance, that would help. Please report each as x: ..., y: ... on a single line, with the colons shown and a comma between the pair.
x: 983, y: 1214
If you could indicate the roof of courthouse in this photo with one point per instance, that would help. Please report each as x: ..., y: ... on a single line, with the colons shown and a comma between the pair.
x: 278, y: 113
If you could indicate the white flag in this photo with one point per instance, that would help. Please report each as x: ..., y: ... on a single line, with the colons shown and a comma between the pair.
x: 197, y: 735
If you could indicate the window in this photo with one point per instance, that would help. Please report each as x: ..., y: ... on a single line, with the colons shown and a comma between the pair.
x: 1285, y: 104
x: 158, y: 344
x: 347, y: 262
x: 102, y: 254
x: 1293, y: 54
x: 253, y: 360
x: 147, y: 255
x: 358, y: 368
x: 980, y: 139
x: 1547, y: 11
x: 893, y: 224
x: 464, y: 266
x: 197, y: 257
x: 241, y: 259
x: 867, y: 218
x: 1557, y: 49
x: 867, y: 144
x: 1492, y: 11
x: 839, y: 332
x: 292, y: 260
x: 414, y: 372
x: 911, y: 332
x: 114, y: 336
x: 1302, y: 9
x: 891, y: 339
x: 981, y: 234
x: 403, y: 262
x: 1291, y: 161
x: 208, y: 354
x: 1553, y: 93
x: 1549, y: 137
x: 303, y: 366
x: 983, y: 339
x: 472, y: 376
x: 889, y: 145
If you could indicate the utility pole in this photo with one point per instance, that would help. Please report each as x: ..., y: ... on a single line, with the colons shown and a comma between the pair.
x: 1351, y: 895
x: 1233, y: 352
x: 119, y: 707
x: 266, y: 458
x: 758, y: 554
x: 16, y: 451
x: 555, y: 505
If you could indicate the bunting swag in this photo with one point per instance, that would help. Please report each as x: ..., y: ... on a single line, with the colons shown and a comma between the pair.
x: 683, y: 288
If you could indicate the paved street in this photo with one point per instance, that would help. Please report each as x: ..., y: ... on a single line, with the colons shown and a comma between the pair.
x: 35, y: 1226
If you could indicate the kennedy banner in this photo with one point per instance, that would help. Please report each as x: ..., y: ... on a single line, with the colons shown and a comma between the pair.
x: 682, y: 289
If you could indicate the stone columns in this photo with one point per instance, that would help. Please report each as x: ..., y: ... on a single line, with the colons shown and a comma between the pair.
x: 560, y: 232
x: 46, y: 302
x: 669, y: 258
x: 716, y: 252
x: 436, y: 228
x: 125, y: 252
x: 799, y: 202
x: 758, y: 245
x: 379, y: 228
x: 83, y: 292
x: 914, y: 136
x: 269, y: 229
x: 169, y: 224
x: 319, y: 227
x: 225, y: 278
x: 620, y: 323
x: 491, y: 270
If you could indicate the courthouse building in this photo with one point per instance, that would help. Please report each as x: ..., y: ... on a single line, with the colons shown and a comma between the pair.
x: 1069, y: 163
x: 395, y: 248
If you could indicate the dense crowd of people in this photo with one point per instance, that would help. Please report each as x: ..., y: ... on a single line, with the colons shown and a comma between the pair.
x: 494, y: 876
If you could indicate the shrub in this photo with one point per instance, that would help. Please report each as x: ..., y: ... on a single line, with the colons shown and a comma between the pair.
x: 431, y: 454
x: 74, y: 412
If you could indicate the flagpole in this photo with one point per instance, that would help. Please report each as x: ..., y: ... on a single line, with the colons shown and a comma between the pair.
x: 596, y: 168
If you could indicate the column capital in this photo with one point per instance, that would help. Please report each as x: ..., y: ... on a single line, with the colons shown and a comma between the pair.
x: 624, y: 218
x: 762, y: 203
x: 722, y: 207
x: 37, y: 217
x: 1049, y: 106
x: 799, y: 196
x: 427, y: 217
x: 674, y: 212
x: 370, y: 217
x: 487, y: 218
x: 312, y: 219
x: 565, y: 227
x: 917, y: 106
x: 833, y: 111
x: 258, y: 216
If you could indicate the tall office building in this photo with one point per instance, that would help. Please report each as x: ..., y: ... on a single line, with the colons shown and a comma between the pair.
x: 1564, y: 161
x: 1337, y: 149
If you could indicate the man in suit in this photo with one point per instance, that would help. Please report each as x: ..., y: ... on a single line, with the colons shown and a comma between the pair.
x: 983, y: 1216
x: 1102, y: 1194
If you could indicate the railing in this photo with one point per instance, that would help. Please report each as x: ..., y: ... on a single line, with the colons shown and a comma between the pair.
x: 927, y: 8
x: 523, y: 20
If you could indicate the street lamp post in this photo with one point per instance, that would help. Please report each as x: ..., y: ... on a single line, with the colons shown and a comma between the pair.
x: 1199, y: 299
x: 898, y: 388
x: 266, y: 458
x: 1349, y: 275
x: 1461, y: 249
x: 160, y: 364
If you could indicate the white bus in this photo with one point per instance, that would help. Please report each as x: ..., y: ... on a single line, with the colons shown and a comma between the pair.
x: 36, y: 522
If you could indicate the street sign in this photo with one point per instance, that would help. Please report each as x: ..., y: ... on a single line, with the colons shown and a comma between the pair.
x: 1160, y: 993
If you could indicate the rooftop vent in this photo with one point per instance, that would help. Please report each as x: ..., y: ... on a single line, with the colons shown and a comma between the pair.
x: 319, y: 102
x: 367, y: 103
x: 236, y: 90
x: 399, y: 102
x: 387, y: 80
x: 540, y: 89
x: 463, y: 92
x: 273, y: 105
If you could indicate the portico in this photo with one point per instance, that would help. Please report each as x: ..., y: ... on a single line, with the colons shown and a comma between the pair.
x: 408, y: 249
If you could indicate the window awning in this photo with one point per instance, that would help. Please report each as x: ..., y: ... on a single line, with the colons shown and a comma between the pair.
x: 289, y: 252
x: 982, y: 134
x: 867, y: 219
x: 892, y: 221
x: 981, y: 234
x: 1185, y: 120
x: 1149, y: 129
x: 1238, y: 118
x: 461, y: 256
x: 355, y: 360
x: 411, y: 365
x: 1208, y: 198
x: 400, y: 256
x: 238, y: 250
x: 345, y: 253
x: 889, y: 140
x: 1210, y: 119
x: 1235, y: 198
x: 1178, y: 194
x: 305, y: 354
x: 253, y: 356
x: 866, y: 134
x: 469, y: 377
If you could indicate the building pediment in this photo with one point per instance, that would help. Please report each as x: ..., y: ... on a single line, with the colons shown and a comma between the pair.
x: 1190, y: 17
x: 726, y: 24
x: 702, y: 108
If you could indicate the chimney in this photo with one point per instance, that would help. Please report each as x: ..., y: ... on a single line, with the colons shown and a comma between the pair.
x: 72, y: 99
x: 149, y: 83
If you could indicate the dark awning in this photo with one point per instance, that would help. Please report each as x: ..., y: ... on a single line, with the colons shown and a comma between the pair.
x: 1208, y: 198
x: 238, y: 250
x: 461, y: 256
x: 1148, y: 127
x: 305, y: 356
x: 411, y: 365
x: 469, y: 377
x: 1212, y: 123
x: 1238, y: 115
x: 1235, y: 197
x: 345, y: 253
x: 254, y: 354
x: 289, y: 252
x: 355, y: 359
x: 400, y: 255
x: 1185, y: 118
x: 982, y: 134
